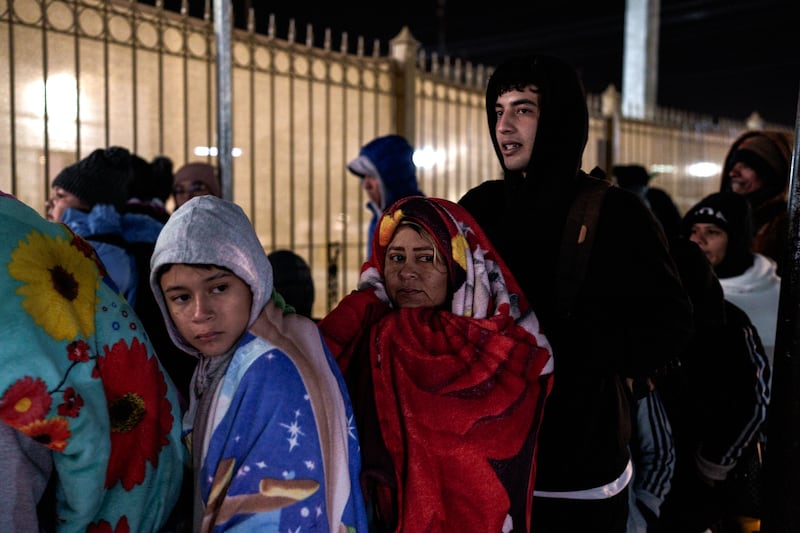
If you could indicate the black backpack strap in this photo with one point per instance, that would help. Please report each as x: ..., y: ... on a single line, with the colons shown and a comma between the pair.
x: 577, y: 240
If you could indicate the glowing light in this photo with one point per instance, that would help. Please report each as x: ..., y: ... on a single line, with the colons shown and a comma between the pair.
x: 428, y: 157
x: 205, y: 151
x: 662, y: 169
x: 703, y: 169
x: 62, y: 97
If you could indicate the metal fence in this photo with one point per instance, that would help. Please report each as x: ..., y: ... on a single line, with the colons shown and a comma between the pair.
x: 82, y: 74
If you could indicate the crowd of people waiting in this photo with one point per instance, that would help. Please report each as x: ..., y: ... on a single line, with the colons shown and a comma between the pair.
x: 557, y: 351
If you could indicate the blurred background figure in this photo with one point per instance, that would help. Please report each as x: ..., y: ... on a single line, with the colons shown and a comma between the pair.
x: 720, y: 224
x: 292, y: 279
x: 757, y: 167
x: 195, y: 179
x: 388, y: 173
x: 636, y: 179
x: 151, y: 186
x: 90, y: 197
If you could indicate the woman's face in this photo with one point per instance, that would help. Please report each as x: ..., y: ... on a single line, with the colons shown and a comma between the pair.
x: 414, y: 272
x: 712, y: 239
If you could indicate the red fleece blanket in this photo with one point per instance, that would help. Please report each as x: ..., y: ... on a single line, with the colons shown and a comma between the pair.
x: 453, y: 393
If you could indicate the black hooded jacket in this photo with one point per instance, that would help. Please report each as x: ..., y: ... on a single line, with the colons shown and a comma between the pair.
x: 631, y: 314
x: 769, y: 204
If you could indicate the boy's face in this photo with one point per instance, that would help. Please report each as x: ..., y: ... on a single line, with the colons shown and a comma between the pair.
x: 517, y: 122
x: 209, y: 306
x: 61, y: 200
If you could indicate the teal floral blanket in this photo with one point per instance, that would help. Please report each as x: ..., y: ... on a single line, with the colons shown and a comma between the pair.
x: 80, y: 377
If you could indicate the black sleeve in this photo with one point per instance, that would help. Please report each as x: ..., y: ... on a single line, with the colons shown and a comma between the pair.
x: 736, y: 389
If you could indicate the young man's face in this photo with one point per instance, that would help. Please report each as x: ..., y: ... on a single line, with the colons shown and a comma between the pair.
x: 517, y: 122
x: 209, y: 306
x: 712, y: 239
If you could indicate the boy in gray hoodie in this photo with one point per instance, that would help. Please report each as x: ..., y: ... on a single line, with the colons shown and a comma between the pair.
x: 268, y: 420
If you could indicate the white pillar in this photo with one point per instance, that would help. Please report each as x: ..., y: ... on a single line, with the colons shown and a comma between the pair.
x: 640, y: 58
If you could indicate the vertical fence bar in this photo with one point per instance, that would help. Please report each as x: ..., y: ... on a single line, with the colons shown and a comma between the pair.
x: 78, y: 112
x: 311, y: 151
x: 160, y: 75
x: 341, y: 251
x: 12, y: 111
x: 331, y: 258
x: 46, y: 114
x: 292, y: 141
x: 185, y: 76
x: 135, y: 81
x: 361, y: 135
x: 222, y: 30
x: 251, y: 95
x: 106, y: 77
x: 272, y: 138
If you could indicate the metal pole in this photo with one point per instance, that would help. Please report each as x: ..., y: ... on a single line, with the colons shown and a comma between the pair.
x: 222, y: 30
x: 782, y: 457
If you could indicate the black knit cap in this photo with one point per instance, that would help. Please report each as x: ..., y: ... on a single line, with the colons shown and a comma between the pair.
x: 163, y: 175
x: 102, y: 177
x: 629, y: 176
x: 731, y: 213
x: 143, y: 183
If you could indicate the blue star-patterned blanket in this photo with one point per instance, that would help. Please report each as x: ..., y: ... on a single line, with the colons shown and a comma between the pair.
x: 282, y: 450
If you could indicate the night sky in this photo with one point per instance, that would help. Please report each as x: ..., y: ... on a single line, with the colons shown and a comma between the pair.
x: 725, y: 58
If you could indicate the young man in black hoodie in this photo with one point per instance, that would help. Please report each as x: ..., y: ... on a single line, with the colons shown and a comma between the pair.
x: 629, y: 314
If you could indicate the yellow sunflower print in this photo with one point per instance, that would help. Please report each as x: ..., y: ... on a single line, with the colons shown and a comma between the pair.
x: 58, y: 287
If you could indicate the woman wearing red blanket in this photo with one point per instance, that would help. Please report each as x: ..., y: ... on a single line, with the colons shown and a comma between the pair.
x: 448, y: 372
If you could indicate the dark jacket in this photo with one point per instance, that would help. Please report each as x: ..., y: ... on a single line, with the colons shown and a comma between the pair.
x: 630, y: 316
x: 716, y: 398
